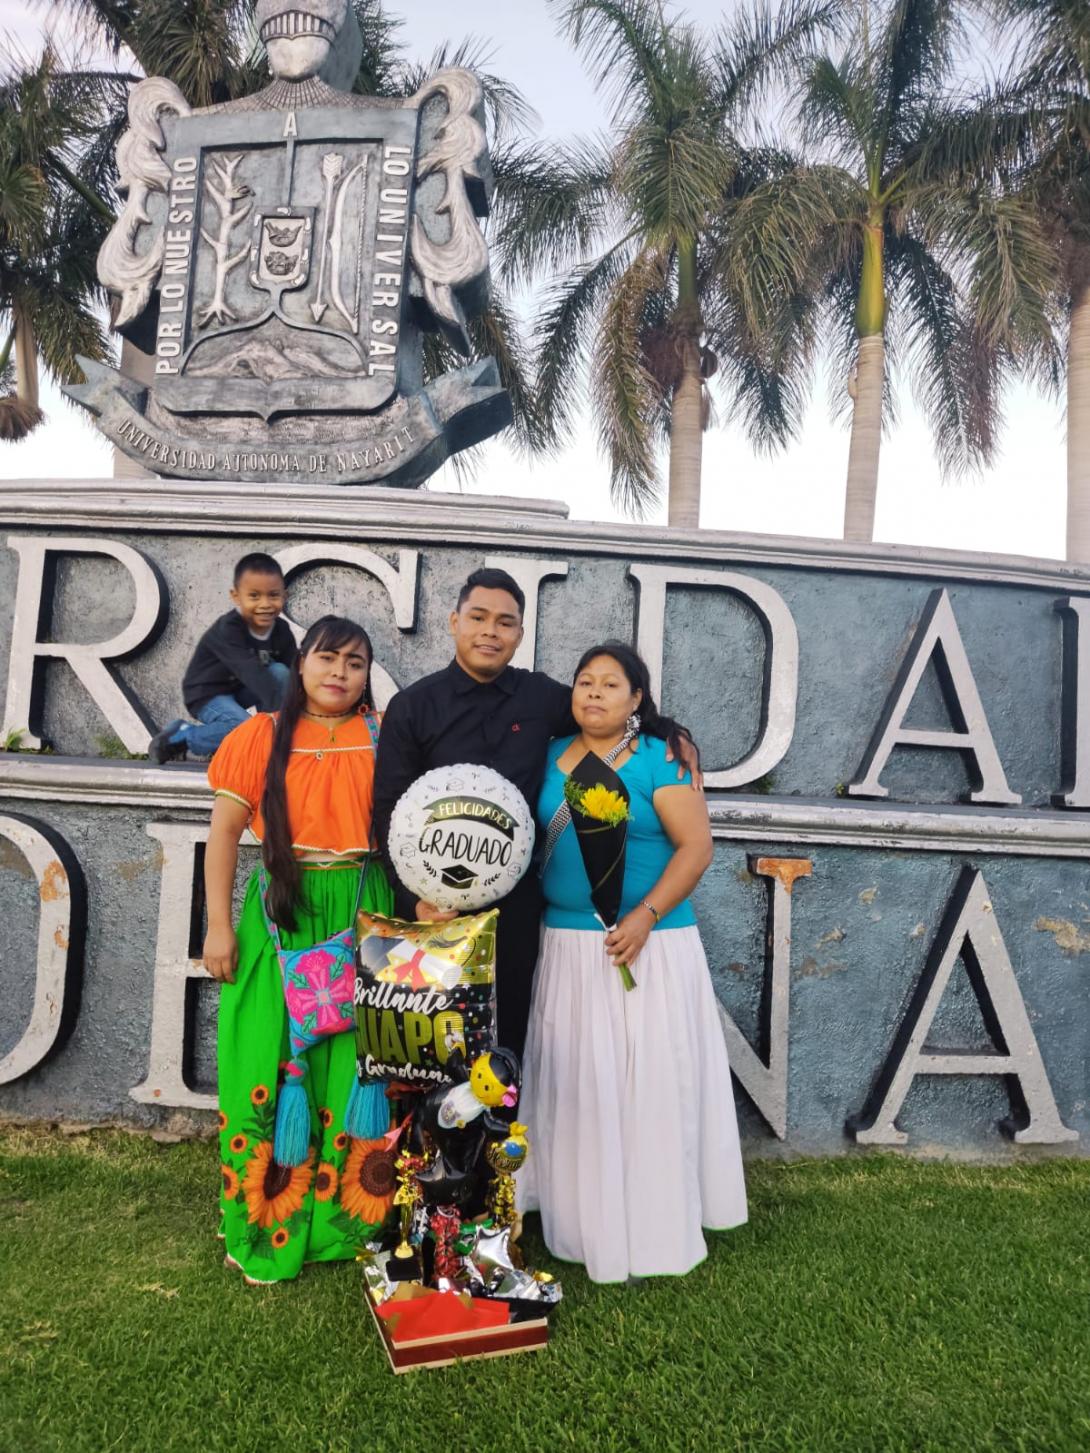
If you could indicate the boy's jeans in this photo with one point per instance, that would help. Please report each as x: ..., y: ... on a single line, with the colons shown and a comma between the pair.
x: 221, y: 715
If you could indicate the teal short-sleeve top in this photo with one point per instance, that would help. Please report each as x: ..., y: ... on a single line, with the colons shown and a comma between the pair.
x: 564, y: 882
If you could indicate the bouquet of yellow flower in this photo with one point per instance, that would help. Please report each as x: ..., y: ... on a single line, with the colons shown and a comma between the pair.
x: 600, y: 814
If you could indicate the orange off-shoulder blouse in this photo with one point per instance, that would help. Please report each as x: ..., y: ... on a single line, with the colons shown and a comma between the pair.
x: 330, y: 784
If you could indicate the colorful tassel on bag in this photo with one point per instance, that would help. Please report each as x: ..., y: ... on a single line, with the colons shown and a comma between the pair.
x: 291, y: 1138
x: 367, y: 1114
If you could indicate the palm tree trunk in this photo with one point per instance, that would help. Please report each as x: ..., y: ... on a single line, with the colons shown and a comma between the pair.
x: 866, y: 389
x: 1078, y: 429
x: 686, y: 413
x: 26, y: 360
x: 866, y: 442
x: 19, y: 412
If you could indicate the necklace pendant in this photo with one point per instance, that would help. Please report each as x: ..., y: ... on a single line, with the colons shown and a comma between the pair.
x: 318, y: 756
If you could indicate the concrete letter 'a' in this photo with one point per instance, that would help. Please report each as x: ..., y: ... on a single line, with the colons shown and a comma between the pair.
x: 62, y: 919
x: 165, y: 1082
x: 779, y: 691
x: 400, y: 583
x: 937, y: 638
x: 765, y: 1081
x: 33, y: 608
x: 968, y: 931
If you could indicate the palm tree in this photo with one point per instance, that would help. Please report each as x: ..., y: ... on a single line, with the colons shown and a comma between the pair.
x: 208, y: 48
x: 891, y: 249
x: 637, y: 233
x: 49, y: 234
x: 1044, y: 135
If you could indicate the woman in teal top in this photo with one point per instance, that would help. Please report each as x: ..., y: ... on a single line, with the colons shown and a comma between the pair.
x: 648, y: 851
x: 628, y: 1092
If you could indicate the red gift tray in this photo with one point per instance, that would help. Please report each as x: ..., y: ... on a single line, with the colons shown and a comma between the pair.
x: 418, y: 1348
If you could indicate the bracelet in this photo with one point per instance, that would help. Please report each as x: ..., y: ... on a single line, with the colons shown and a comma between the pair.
x: 658, y: 916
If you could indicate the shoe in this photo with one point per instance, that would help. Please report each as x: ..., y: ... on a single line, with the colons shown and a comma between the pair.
x: 161, y: 749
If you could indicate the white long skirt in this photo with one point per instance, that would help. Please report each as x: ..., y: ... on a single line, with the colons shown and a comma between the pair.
x: 633, y: 1134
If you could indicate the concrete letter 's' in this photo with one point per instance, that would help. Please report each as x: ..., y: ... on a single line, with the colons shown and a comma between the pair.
x: 969, y: 931
x: 937, y: 638
x: 62, y: 920
x: 1075, y: 704
x: 765, y: 1081
x: 174, y: 968
x: 33, y: 609
x: 529, y: 573
x: 400, y: 583
x: 781, y: 663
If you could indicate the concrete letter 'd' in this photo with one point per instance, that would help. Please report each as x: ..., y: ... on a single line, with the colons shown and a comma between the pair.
x: 33, y: 610
x: 62, y: 920
x: 174, y: 969
x: 937, y: 638
x: 779, y: 689
x: 765, y: 1081
x: 968, y: 931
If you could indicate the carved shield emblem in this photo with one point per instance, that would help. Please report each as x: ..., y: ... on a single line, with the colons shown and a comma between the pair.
x: 284, y: 264
x: 266, y: 255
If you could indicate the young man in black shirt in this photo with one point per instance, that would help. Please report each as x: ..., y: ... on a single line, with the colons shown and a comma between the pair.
x: 483, y: 710
x: 242, y: 660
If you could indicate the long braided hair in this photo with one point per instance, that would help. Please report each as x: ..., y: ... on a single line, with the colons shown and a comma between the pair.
x: 329, y: 633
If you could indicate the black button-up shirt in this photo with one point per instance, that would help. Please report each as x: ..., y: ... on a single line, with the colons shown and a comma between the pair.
x: 448, y: 718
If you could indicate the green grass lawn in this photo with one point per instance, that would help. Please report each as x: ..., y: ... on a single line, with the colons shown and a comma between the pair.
x: 872, y: 1303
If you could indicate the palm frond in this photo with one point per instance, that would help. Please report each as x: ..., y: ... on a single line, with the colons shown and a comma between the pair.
x: 784, y: 235
x: 496, y: 333
x: 508, y: 110
x: 623, y: 43
x: 382, y: 63
x: 837, y: 106
x: 624, y: 393
x: 766, y: 44
x: 562, y: 330
x: 955, y: 372
x: 553, y: 205
x: 914, y: 53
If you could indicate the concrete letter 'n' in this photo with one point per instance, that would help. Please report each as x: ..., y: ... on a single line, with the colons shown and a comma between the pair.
x: 765, y: 1081
x: 31, y: 621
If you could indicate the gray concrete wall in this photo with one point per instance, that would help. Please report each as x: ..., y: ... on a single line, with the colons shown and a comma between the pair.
x: 812, y: 1021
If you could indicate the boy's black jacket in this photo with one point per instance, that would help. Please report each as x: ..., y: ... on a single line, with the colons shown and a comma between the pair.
x: 229, y: 661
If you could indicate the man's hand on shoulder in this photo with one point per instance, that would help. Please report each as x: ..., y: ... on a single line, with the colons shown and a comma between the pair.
x: 688, y: 760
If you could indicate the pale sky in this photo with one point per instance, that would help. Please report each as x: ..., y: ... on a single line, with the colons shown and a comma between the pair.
x: 1017, y: 507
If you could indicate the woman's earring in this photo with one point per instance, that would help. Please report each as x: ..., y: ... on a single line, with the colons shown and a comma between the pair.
x: 633, y: 724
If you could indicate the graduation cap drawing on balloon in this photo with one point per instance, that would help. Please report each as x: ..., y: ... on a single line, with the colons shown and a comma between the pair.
x: 599, y: 804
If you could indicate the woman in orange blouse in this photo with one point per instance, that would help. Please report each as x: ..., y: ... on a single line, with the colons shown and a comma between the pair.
x: 302, y: 780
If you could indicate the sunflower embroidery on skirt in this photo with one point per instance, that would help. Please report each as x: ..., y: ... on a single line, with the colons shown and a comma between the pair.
x: 368, y: 1182
x: 358, y: 1176
x: 273, y: 1195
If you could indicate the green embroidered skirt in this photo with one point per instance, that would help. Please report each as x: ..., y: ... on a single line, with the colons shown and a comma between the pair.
x: 275, y: 1218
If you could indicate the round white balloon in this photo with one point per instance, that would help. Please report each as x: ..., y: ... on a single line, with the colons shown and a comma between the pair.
x: 461, y: 837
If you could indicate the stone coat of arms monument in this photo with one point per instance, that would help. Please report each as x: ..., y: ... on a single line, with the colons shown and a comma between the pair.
x: 280, y: 256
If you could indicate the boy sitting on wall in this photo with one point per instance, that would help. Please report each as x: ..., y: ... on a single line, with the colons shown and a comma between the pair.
x: 242, y: 660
